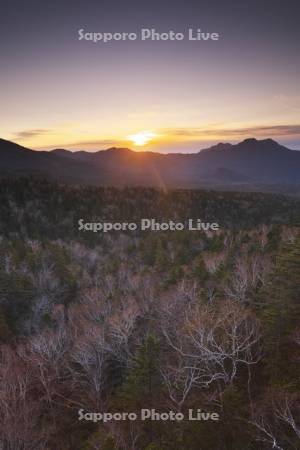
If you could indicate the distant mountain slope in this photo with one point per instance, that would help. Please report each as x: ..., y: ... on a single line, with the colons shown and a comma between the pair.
x: 262, y: 161
x: 18, y: 160
x: 249, y: 162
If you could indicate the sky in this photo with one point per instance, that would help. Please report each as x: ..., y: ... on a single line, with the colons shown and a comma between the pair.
x: 171, y: 96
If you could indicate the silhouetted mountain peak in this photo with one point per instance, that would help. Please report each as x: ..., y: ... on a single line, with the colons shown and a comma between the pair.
x: 269, y: 141
x: 262, y: 143
x: 249, y: 141
x: 12, y: 146
x: 219, y: 146
x: 261, y: 161
x: 251, y: 144
x: 223, y: 145
x: 61, y: 152
x: 268, y: 147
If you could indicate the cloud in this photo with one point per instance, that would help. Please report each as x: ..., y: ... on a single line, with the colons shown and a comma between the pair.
x: 97, y: 144
x: 269, y: 131
x: 176, y: 137
x: 26, y: 134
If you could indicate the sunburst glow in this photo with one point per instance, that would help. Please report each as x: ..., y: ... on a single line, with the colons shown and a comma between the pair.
x: 141, y: 138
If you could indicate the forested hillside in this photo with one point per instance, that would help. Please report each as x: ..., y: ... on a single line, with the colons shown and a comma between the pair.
x: 172, y: 320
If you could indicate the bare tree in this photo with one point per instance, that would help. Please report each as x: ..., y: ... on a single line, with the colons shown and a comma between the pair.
x: 211, y: 345
x: 248, y: 272
x: 20, y: 412
x: 47, y: 353
x: 88, y: 364
x: 278, y: 421
x: 288, y: 411
x: 121, y: 328
x: 179, y: 380
x: 265, y: 433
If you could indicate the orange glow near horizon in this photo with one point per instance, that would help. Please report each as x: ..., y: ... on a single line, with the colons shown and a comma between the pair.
x: 87, y: 136
x: 142, y: 138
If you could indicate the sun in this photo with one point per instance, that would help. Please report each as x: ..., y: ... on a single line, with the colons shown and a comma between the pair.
x: 141, y: 138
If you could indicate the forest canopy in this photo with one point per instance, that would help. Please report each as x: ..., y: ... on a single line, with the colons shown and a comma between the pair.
x: 167, y: 320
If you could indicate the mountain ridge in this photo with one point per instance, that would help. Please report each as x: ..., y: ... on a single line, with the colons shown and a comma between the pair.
x: 249, y: 161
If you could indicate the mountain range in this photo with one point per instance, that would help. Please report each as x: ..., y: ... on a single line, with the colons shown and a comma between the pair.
x: 248, y: 163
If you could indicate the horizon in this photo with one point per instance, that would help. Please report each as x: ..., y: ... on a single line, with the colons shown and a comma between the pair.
x: 146, y: 150
x: 157, y: 146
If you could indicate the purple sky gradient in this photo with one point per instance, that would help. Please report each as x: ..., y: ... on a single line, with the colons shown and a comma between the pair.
x: 59, y: 91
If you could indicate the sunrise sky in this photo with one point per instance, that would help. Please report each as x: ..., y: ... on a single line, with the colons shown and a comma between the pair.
x: 57, y: 91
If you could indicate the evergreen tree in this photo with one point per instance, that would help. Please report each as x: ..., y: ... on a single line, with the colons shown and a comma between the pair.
x: 143, y: 380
